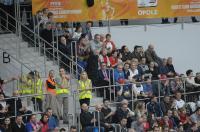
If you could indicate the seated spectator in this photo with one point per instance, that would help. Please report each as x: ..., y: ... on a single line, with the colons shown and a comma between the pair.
x: 147, y: 87
x: 101, y: 118
x: 87, y: 30
x: 184, y: 118
x: 153, y: 107
x: 176, y: 85
x: 126, y: 70
x: 164, y: 86
x: 102, y: 39
x: 109, y: 44
x: 83, y: 51
x: 138, y: 124
x: 154, y: 71
x: 119, y: 58
x: 140, y: 72
x: 7, y: 125
x: 176, y: 118
x: 106, y: 110
x: 78, y: 32
x: 195, y: 118
x: 178, y: 102
x: 170, y: 66
x: 166, y: 104
x: 104, y: 58
x: 20, y: 109
x: 18, y: 125
x: 113, y: 59
x: 151, y: 55
x: 140, y: 109
x: 144, y: 67
x: 44, y: 123
x: 170, y: 116
x: 123, y: 112
x: 32, y: 125
x: 146, y: 124
x: 59, y: 30
x: 85, y: 87
x: 86, y: 118
x: 126, y: 54
x: 123, y: 125
x: 164, y: 69
x: 96, y: 43
x: 52, y: 120
x: 63, y: 130
x: 3, y: 107
x: 73, y: 129
x: 138, y: 53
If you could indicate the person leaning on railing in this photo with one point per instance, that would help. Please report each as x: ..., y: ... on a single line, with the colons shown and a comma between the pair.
x: 85, y: 88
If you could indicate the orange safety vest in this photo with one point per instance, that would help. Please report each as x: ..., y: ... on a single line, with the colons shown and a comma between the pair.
x: 51, y: 89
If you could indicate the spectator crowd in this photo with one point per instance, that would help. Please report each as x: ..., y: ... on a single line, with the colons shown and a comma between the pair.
x: 133, y: 81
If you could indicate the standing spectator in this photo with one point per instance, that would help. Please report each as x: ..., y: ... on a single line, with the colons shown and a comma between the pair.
x: 85, y: 87
x: 65, y: 48
x: 77, y: 33
x: 46, y: 34
x: 119, y: 77
x: 86, y: 118
x: 63, y: 91
x: 3, y: 107
x: 18, y: 126
x: 44, y: 123
x: 154, y: 71
x: 164, y: 86
x: 191, y: 86
x: 93, y: 66
x: 96, y: 44
x: 32, y: 125
x: 153, y: 107
x: 83, y: 51
x: 126, y: 54
x: 39, y: 89
x: 52, y: 120
x: 126, y: 70
x: 144, y: 66
x: 176, y: 85
x: 7, y: 125
x: 5, y: 81
x: 109, y: 44
x: 151, y: 55
x: 51, y: 100
x: 87, y: 30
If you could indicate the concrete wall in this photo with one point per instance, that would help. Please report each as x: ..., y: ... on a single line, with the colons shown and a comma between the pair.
x: 170, y: 40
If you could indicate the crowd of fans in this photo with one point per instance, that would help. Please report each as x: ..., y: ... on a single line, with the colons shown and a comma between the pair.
x: 139, y: 74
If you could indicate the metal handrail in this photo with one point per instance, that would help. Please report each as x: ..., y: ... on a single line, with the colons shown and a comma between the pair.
x: 70, y: 59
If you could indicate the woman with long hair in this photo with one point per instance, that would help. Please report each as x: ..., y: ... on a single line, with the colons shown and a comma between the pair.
x: 85, y: 88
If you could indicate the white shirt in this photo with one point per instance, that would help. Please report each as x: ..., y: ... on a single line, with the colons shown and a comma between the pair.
x: 179, y: 103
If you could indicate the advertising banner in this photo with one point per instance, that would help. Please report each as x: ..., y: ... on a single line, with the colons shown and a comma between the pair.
x: 79, y: 10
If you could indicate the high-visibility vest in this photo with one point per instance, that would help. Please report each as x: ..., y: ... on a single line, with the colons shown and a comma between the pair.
x: 51, y: 89
x: 82, y: 86
x: 38, y: 89
x: 62, y: 90
x: 25, y: 86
